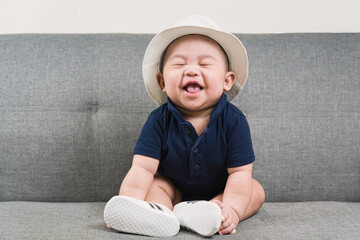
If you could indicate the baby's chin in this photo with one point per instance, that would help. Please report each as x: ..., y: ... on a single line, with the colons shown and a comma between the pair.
x: 195, y: 107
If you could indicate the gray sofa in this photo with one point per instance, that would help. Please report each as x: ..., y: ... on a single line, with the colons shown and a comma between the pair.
x: 72, y: 107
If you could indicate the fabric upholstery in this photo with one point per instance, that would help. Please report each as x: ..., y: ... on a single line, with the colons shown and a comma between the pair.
x: 72, y: 107
x: 304, y: 220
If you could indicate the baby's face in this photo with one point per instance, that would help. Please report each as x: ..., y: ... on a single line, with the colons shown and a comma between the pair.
x: 195, y: 73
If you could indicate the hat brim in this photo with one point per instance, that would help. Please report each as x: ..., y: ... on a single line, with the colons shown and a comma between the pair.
x: 235, y: 50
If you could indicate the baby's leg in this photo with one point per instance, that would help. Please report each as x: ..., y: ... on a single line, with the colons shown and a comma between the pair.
x: 163, y: 191
x: 152, y: 217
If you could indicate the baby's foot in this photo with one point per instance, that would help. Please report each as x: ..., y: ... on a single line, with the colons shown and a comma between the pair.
x: 202, y: 217
x: 131, y: 215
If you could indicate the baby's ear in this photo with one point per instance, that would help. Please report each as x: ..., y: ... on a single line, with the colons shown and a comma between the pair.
x: 229, y: 80
x: 160, y: 81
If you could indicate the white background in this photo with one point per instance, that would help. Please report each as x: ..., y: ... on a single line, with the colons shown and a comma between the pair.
x: 151, y: 16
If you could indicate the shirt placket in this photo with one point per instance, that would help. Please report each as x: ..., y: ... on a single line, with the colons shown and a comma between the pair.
x: 193, y: 142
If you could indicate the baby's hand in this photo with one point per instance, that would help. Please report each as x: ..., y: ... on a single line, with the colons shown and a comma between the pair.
x: 230, y: 219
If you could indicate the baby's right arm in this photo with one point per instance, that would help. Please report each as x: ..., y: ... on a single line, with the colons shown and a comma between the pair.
x: 138, y: 180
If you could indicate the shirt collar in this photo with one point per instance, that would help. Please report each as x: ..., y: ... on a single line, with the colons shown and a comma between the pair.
x: 174, y: 111
x: 218, y: 109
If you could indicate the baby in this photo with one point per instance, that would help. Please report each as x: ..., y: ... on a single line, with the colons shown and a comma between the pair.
x: 192, y: 164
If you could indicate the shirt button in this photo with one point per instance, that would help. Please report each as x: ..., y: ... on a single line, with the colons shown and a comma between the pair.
x: 187, y: 130
x: 195, y: 150
x: 197, y: 167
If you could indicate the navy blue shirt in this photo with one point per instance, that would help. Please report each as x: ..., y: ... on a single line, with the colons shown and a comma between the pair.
x: 197, y: 165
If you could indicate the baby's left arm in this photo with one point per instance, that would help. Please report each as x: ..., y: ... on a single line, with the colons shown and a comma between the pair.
x: 238, y: 190
x: 236, y: 197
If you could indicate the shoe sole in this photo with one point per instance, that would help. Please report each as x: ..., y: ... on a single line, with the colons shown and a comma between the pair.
x: 202, y: 217
x: 130, y: 215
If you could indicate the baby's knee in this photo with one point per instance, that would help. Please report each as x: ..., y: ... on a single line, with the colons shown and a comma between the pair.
x: 259, y: 192
x: 166, y: 185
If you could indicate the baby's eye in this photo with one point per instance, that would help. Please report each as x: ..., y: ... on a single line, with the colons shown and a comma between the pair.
x: 178, y: 64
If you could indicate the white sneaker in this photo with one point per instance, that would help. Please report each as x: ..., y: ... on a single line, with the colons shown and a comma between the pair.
x: 202, y: 217
x: 131, y: 215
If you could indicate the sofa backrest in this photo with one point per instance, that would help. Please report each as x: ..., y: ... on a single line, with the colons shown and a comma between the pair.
x: 72, y: 107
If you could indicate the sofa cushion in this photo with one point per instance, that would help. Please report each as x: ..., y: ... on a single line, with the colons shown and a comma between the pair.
x: 305, y: 220
x: 73, y: 105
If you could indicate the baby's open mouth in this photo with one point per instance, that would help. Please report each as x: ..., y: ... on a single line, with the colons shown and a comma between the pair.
x: 193, y: 88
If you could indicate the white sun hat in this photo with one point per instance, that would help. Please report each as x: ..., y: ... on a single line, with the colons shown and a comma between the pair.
x: 194, y: 24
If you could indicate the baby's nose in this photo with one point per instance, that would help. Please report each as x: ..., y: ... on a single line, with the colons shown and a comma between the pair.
x: 192, y: 71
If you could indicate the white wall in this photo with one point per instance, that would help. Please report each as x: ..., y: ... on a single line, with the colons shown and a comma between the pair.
x: 149, y: 16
